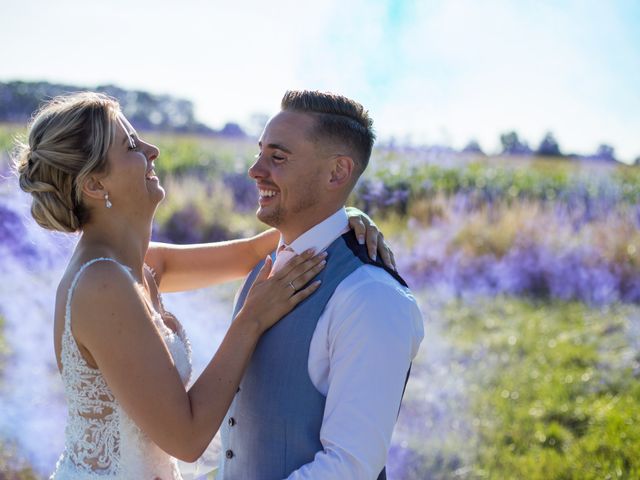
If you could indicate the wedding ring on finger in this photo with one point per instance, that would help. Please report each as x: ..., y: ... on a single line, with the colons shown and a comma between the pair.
x: 292, y: 286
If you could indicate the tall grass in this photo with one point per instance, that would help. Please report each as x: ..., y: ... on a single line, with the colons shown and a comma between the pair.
x: 528, y: 271
x: 524, y: 390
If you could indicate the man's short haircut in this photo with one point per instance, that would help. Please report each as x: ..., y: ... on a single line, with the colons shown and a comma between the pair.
x: 338, y: 119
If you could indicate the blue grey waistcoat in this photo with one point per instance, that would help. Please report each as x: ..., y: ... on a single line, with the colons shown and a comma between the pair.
x: 273, y: 425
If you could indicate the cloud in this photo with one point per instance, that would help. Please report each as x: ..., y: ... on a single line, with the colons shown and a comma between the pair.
x: 437, y: 71
x: 451, y: 71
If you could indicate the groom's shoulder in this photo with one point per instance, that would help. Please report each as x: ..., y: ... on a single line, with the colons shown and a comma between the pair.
x: 375, y: 284
x: 372, y: 302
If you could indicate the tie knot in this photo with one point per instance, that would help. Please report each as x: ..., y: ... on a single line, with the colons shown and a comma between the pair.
x: 283, y: 254
x: 284, y: 248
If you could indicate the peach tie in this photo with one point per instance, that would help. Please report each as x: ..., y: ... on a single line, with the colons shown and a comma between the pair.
x: 285, y: 253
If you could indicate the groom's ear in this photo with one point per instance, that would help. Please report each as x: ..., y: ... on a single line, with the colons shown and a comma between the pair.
x: 342, y: 171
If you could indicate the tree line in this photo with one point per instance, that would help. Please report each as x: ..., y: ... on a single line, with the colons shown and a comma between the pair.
x: 19, y: 99
x: 548, y: 147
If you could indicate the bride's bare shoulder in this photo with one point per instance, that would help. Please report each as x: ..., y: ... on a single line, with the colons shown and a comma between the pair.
x: 89, y: 275
x: 96, y: 287
x: 85, y: 299
x: 99, y: 282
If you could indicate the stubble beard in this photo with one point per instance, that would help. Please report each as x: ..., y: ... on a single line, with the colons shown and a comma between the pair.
x: 280, y: 217
x: 273, y: 219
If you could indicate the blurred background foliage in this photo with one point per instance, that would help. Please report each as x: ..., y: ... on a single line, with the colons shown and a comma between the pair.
x: 527, y: 267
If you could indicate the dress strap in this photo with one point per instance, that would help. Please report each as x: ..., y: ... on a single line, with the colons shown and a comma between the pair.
x: 67, y: 313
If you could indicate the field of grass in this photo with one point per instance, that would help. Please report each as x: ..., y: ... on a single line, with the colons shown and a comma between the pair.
x: 563, y: 402
x: 528, y: 272
x: 13, y: 469
x: 550, y: 391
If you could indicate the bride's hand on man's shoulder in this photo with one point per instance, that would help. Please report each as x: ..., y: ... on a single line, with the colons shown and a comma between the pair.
x: 272, y: 297
x: 367, y: 231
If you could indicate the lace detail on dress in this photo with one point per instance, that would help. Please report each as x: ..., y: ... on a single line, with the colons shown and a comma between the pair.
x: 101, y: 441
x: 92, y: 428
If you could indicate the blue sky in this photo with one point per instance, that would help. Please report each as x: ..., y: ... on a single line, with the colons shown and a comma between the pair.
x: 429, y: 71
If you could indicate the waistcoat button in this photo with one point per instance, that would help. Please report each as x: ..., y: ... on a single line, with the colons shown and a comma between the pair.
x: 229, y: 454
x: 232, y: 421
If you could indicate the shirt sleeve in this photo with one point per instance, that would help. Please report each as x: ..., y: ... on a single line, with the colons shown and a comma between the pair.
x: 374, y: 332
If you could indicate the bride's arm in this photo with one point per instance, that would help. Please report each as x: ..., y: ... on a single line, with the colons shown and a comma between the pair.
x: 111, y: 320
x: 187, y: 267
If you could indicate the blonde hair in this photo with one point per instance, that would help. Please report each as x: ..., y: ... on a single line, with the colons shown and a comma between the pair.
x: 67, y: 141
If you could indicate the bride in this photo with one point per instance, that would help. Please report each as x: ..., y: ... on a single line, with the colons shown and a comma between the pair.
x: 124, y: 360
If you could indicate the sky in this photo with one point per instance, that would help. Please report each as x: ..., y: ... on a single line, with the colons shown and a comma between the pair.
x: 429, y: 71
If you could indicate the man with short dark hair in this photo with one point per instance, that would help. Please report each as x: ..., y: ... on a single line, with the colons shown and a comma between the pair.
x: 321, y: 394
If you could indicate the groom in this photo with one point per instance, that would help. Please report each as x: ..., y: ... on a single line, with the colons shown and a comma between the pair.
x: 321, y: 394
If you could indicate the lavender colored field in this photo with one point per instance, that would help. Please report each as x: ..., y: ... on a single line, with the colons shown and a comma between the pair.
x: 31, y: 394
x: 536, y: 227
x: 527, y: 270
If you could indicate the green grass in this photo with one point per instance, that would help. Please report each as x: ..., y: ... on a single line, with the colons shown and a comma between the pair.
x: 8, y: 133
x: 539, y: 178
x: 214, y: 203
x: 12, y: 467
x: 561, y: 401
x: 201, y: 156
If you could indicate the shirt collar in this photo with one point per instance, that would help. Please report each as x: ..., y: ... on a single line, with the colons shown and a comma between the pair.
x: 321, y: 235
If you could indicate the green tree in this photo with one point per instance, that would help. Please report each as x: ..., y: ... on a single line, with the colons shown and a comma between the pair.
x: 549, y: 146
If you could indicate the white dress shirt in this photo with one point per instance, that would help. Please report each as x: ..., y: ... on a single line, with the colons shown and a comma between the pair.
x: 360, y: 352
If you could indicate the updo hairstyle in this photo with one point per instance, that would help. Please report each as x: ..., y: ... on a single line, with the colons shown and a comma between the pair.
x: 67, y: 141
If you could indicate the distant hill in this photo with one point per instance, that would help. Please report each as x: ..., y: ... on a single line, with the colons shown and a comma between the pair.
x: 18, y: 101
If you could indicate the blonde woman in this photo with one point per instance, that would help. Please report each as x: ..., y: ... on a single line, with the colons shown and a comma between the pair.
x: 124, y: 360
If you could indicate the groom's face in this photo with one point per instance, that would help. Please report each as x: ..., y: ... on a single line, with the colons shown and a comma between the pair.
x: 289, y: 172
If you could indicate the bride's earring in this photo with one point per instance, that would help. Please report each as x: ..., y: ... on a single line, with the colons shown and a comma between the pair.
x: 107, y: 202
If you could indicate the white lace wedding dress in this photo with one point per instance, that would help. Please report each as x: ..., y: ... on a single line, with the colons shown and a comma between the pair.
x: 101, y: 441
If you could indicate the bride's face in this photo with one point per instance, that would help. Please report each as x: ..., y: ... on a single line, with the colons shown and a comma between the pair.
x: 131, y: 181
